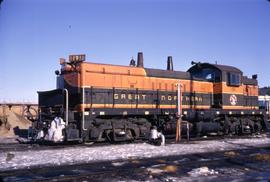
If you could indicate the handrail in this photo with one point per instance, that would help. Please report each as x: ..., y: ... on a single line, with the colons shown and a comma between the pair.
x: 66, y: 106
x: 179, y: 113
x: 83, y: 100
x: 179, y: 100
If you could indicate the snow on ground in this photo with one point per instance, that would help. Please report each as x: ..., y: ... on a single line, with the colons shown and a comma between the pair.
x: 205, y: 171
x: 76, y: 155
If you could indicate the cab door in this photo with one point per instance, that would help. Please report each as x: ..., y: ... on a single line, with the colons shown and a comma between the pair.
x: 217, y: 95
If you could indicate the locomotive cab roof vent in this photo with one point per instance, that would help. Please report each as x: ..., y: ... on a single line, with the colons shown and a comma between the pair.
x: 140, y: 59
x: 170, y: 63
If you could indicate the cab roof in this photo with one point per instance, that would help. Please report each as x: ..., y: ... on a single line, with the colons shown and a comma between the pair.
x: 222, y: 68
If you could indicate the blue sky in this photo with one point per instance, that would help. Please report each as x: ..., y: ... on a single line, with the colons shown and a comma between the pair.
x: 35, y: 34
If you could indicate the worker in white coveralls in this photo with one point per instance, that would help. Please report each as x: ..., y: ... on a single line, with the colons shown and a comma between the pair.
x: 55, y: 131
x: 156, y: 138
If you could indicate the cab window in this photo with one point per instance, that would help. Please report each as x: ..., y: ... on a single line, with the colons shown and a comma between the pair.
x: 234, y: 79
x: 208, y: 74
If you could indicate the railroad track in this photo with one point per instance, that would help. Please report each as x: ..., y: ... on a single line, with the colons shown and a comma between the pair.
x: 131, y: 169
x: 6, y: 147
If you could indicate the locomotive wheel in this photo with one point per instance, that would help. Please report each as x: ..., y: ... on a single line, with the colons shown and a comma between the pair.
x: 112, y: 137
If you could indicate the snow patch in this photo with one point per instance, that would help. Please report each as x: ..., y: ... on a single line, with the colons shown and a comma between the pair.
x: 116, y: 164
x: 131, y: 152
x: 154, y: 170
x: 202, y: 171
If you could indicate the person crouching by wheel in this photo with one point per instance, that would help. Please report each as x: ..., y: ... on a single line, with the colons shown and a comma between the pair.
x: 156, y: 138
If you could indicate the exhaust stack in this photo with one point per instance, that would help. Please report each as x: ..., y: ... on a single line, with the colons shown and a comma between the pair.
x: 170, y: 63
x: 140, y: 59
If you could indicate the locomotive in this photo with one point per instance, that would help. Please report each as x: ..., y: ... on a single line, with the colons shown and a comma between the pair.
x: 104, y: 102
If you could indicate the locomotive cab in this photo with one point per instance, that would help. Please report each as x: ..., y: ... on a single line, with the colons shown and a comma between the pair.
x: 225, y: 79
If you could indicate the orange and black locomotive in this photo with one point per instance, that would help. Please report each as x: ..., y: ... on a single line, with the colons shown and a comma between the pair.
x: 103, y: 102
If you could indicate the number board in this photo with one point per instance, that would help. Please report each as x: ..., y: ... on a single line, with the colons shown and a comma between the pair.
x: 77, y: 58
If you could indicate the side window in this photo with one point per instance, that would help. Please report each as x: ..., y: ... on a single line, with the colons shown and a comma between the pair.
x: 208, y: 74
x: 234, y: 79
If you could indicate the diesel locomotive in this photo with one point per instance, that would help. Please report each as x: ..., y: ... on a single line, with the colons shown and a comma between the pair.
x: 104, y: 102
